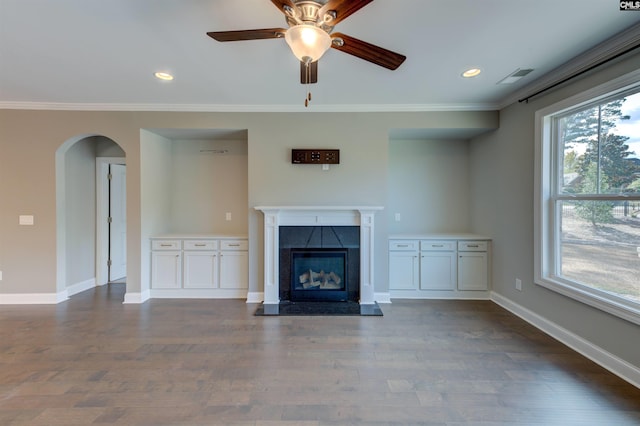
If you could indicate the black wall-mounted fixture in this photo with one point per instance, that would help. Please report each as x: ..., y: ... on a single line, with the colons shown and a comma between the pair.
x: 315, y: 156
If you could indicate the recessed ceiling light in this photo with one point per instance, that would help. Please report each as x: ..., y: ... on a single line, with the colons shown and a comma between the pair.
x: 471, y: 72
x: 164, y: 76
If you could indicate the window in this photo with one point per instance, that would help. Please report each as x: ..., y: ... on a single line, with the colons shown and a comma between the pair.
x: 588, y: 197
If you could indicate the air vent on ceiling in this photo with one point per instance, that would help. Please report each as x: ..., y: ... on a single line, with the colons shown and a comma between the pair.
x: 515, y: 76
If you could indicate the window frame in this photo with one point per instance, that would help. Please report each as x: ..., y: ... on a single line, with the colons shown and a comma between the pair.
x: 547, y: 219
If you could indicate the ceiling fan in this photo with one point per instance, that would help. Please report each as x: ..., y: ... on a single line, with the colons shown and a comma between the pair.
x: 309, y: 35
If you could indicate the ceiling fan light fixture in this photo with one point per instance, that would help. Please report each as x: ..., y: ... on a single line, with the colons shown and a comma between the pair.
x: 307, y: 42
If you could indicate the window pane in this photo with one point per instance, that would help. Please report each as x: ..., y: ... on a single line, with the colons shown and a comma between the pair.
x: 600, y: 245
x: 576, y: 133
x: 628, y: 127
x: 600, y: 147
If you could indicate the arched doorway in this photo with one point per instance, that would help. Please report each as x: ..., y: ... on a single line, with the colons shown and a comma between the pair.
x: 81, y: 212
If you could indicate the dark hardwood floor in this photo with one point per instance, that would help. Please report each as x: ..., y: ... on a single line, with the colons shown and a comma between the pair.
x: 93, y: 360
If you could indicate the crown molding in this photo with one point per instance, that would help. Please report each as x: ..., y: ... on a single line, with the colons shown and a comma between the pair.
x: 60, y: 106
x: 607, y: 49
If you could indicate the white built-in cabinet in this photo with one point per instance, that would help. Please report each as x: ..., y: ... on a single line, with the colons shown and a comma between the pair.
x: 203, y: 266
x: 439, y: 266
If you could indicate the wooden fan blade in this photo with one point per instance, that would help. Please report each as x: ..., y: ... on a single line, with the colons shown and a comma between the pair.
x: 310, y: 75
x: 368, y: 52
x: 343, y: 9
x: 247, y: 34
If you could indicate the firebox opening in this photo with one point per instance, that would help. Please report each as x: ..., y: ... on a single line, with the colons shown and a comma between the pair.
x: 319, y: 274
x: 338, y: 247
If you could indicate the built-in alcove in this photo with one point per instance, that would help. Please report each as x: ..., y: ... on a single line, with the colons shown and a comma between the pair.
x: 195, y: 181
x: 429, y: 181
x: 194, y: 185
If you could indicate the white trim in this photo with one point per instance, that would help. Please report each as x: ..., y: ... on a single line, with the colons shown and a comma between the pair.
x: 198, y: 293
x: 544, y: 220
x: 247, y: 108
x: 441, y: 294
x: 131, y: 298
x: 605, y: 359
x: 81, y: 286
x: 382, y: 297
x: 276, y: 216
x: 620, y: 84
x: 255, y: 297
x: 33, y: 298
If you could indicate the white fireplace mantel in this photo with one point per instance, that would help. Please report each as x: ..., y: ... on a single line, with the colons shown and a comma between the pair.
x: 276, y: 216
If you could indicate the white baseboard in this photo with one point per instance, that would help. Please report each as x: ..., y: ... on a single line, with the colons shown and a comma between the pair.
x: 198, y: 293
x: 33, y: 298
x: 255, y: 297
x: 81, y: 286
x: 382, y: 297
x: 440, y: 294
x: 136, y: 298
x: 605, y: 359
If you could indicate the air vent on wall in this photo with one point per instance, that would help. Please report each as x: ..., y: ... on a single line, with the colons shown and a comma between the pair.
x: 515, y: 76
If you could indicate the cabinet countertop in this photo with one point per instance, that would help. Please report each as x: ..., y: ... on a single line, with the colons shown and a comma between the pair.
x: 177, y: 236
x: 440, y: 236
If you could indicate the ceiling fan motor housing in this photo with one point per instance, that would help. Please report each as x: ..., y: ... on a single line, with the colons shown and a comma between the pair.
x: 306, y: 13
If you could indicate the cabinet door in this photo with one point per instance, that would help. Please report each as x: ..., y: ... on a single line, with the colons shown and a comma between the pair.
x: 472, y: 271
x: 403, y: 270
x: 166, y: 269
x: 234, y: 269
x: 200, y: 269
x: 438, y: 270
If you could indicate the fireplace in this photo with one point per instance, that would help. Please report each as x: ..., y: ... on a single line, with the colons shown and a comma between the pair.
x: 277, y: 217
x: 318, y: 274
x: 319, y: 263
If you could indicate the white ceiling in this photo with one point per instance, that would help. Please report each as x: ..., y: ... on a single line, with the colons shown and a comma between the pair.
x: 101, y: 54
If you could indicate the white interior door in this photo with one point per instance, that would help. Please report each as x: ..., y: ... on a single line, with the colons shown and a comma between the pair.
x: 117, y: 222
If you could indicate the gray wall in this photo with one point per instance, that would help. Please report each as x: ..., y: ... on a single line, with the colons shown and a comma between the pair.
x: 361, y: 178
x: 80, y: 181
x: 502, y: 166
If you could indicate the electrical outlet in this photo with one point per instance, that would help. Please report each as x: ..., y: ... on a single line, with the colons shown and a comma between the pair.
x: 397, y: 217
x: 518, y: 284
x: 0, y: 275
x: 25, y: 219
x: 227, y: 216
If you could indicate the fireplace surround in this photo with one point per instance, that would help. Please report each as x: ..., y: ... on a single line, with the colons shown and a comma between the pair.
x: 319, y: 263
x: 318, y: 216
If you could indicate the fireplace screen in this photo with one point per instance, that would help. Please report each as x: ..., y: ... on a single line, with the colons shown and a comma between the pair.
x: 317, y: 273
